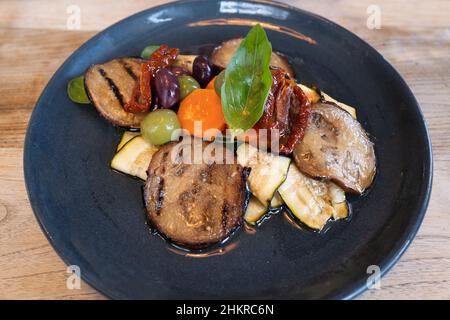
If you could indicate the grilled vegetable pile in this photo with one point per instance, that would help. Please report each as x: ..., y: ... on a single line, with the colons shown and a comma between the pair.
x: 291, y: 147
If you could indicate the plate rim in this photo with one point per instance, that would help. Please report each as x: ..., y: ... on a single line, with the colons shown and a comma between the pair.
x: 353, y: 290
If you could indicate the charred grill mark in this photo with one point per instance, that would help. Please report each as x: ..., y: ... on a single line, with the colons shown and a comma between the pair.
x: 179, y: 172
x: 160, y: 196
x: 225, y: 210
x: 317, y: 120
x: 183, y: 199
x: 184, y: 196
x: 196, y: 189
x: 163, y: 161
x: 128, y: 69
x: 164, y: 156
x: 178, y: 157
x: 112, y: 86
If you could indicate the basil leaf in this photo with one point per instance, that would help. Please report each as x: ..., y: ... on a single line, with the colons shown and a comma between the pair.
x: 247, y: 81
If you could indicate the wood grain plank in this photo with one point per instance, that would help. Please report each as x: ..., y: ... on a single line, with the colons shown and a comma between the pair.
x: 48, y: 14
x: 34, y: 41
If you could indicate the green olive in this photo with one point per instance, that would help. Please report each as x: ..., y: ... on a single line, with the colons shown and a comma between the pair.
x: 219, y: 82
x: 76, y: 90
x: 187, y: 85
x: 148, y: 50
x: 160, y: 126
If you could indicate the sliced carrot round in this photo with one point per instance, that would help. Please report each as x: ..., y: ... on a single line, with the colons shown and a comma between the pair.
x: 201, y: 111
x: 211, y: 84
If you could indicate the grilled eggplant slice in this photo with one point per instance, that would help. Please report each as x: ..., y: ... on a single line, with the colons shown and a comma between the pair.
x: 336, y: 147
x: 222, y: 55
x: 134, y: 157
x: 194, y: 205
x: 268, y: 171
x: 312, y: 201
x: 110, y: 86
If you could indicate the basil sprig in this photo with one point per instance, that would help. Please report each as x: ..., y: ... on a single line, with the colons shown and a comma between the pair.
x: 247, y: 81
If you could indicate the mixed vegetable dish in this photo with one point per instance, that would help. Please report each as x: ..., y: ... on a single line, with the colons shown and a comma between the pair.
x: 267, y: 141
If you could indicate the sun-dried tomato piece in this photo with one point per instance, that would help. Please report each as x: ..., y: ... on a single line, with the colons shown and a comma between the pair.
x: 142, y: 94
x: 286, y: 110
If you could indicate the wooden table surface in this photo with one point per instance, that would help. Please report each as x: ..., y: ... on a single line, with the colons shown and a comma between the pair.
x: 35, y: 41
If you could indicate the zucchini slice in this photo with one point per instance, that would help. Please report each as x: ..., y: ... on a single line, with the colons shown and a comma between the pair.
x: 338, y: 201
x: 268, y: 171
x: 312, y: 201
x: 276, y: 201
x: 315, y: 96
x: 312, y: 94
x: 134, y: 157
x: 341, y: 105
x: 127, y: 136
x: 255, y: 211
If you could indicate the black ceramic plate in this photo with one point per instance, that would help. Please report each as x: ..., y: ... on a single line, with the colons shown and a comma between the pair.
x: 94, y: 217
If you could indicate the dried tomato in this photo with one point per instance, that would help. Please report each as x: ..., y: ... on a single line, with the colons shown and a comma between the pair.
x: 286, y: 110
x: 141, y: 97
